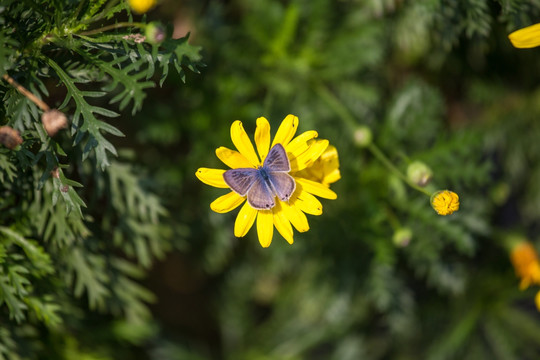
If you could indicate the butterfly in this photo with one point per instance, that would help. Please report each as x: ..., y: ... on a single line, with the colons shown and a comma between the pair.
x: 266, y: 182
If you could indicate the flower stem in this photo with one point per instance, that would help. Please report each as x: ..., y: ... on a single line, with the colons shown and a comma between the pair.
x: 374, y: 149
x: 40, y: 103
x: 336, y: 105
x: 342, y: 111
x: 111, y: 27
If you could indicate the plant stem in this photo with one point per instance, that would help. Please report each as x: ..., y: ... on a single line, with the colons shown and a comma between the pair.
x: 374, y: 149
x: 336, y: 105
x: 111, y: 27
x: 342, y: 111
x: 40, y: 103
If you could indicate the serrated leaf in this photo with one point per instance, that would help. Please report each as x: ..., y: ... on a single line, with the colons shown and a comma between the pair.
x: 89, y: 123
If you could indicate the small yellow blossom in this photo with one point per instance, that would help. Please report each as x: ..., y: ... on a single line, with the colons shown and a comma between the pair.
x: 141, y: 6
x: 524, y: 258
x: 445, y: 202
x: 303, y: 153
x: 325, y: 169
x: 525, y: 261
x: 527, y: 37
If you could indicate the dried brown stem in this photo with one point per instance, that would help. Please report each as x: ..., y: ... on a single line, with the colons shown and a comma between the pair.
x: 26, y: 93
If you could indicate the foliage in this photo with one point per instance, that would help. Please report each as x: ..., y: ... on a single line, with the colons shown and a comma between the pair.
x: 73, y: 247
x: 81, y: 224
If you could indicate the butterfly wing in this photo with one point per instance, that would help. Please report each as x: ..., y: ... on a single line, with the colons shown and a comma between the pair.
x: 260, y: 196
x: 240, y: 180
x: 282, y: 184
x: 262, y: 185
x: 277, y: 159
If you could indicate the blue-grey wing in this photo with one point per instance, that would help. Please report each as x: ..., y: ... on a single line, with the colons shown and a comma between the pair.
x: 261, y: 196
x: 240, y: 180
x: 282, y: 184
x: 277, y: 159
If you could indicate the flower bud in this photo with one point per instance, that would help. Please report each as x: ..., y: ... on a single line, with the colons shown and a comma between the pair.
x: 445, y: 202
x: 402, y: 237
x: 155, y: 33
x: 362, y: 136
x: 10, y: 137
x: 53, y: 121
x: 419, y: 173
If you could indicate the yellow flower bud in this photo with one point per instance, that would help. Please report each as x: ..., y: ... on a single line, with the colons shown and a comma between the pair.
x: 445, y: 202
x: 141, y: 6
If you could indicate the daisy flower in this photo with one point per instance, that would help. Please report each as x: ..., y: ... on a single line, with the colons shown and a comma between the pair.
x: 303, y: 153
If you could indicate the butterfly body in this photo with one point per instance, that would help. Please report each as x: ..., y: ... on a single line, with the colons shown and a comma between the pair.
x: 263, y: 184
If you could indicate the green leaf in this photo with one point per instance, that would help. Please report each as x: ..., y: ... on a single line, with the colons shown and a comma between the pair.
x: 90, y: 276
x: 35, y: 253
x: 85, y: 122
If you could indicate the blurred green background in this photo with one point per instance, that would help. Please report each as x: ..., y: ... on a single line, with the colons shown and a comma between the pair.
x: 435, y: 81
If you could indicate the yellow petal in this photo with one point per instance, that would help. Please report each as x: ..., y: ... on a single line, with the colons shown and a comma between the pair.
x: 212, y: 177
x: 241, y: 140
x: 316, y: 188
x: 524, y: 283
x: 265, y: 227
x: 528, y: 37
x: 308, y: 203
x: 330, y: 163
x: 296, y: 217
x: 227, y: 202
x: 282, y: 224
x: 332, y: 177
x: 309, y: 156
x: 232, y: 158
x: 286, y: 130
x: 537, y: 300
x: 262, y: 137
x: 325, y: 169
x: 244, y: 220
x: 300, y: 143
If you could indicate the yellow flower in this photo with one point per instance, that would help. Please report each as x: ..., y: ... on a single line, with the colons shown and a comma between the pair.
x: 445, y: 202
x: 325, y: 169
x: 302, y: 152
x: 528, y: 37
x: 141, y: 6
x: 525, y: 261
